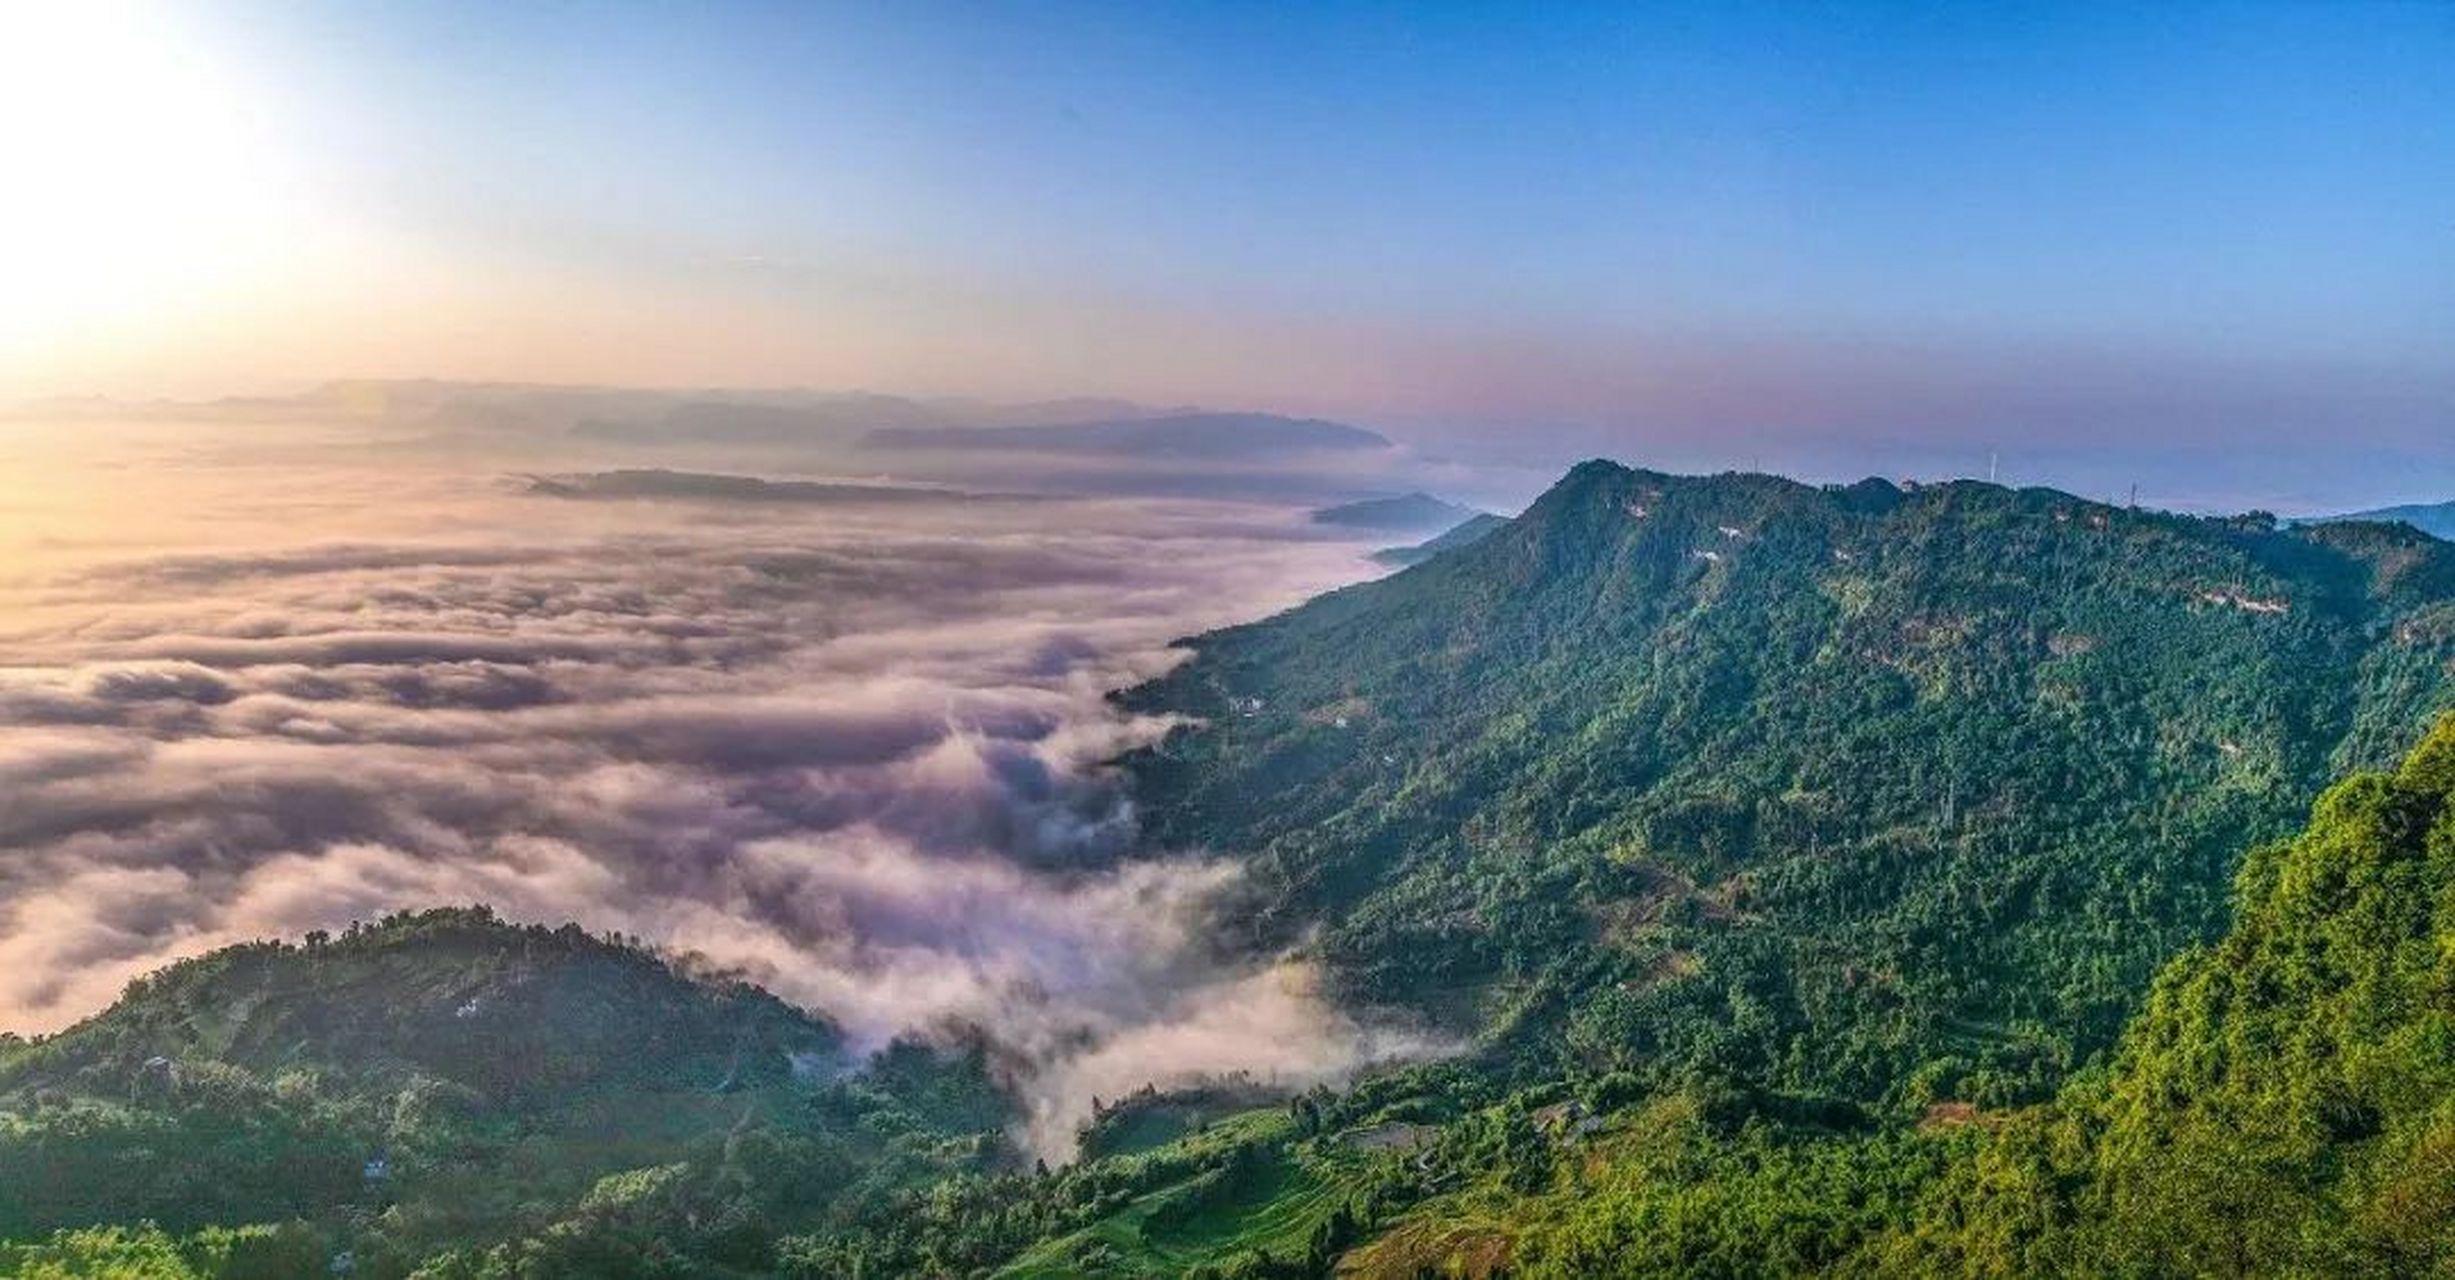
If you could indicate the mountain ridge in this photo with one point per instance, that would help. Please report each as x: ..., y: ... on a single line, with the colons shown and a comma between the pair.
x: 1474, y: 529
x: 2437, y: 519
x: 1579, y: 740
x: 1184, y: 435
x: 1408, y: 512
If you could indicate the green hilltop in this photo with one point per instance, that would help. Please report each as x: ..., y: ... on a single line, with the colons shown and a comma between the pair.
x: 446, y: 1079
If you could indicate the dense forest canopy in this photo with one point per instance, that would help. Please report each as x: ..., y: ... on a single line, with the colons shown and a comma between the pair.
x: 1871, y: 793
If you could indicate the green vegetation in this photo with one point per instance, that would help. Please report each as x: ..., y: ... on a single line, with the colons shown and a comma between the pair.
x: 443, y: 1081
x: 1864, y: 796
x: 147, y: 1253
x: 2284, y: 1105
x: 1476, y: 528
x: 1842, y: 880
x: 2286, y: 1102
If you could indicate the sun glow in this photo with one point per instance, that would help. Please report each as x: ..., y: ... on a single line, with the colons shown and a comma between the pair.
x: 141, y: 184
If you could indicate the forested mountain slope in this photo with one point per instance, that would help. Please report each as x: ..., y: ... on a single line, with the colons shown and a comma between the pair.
x: 2286, y: 1103
x: 446, y: 1080
x: 2283, y: 1105
x: 1481, y: 525
x: 1867, y: 793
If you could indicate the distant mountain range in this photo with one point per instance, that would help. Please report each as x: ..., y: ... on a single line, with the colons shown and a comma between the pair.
x: 1185, y: 436
x: 835, y: 419
x: 1467, y: 533
x: 657, y: 483
x: 838, y: 418
x: 771, y: 416
x: 1409, y: 513
x: 2437, y: 519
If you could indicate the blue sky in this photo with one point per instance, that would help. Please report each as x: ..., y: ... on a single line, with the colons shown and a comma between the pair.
x: 2190, y: 176
x: 1786, y: 226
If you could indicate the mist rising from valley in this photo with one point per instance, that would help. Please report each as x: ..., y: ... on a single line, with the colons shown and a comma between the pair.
x: 269, y: 670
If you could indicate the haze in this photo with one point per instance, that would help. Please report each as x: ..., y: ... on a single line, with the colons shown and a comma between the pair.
x: 2108, y: 249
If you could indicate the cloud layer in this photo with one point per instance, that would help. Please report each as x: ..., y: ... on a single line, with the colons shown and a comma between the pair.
x: 854, y: 753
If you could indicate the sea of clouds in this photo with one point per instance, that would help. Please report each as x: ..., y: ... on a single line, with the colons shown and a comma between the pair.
x: 257, y: 681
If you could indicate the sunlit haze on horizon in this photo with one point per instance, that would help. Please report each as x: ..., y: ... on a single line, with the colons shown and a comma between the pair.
x: 2099, y: 246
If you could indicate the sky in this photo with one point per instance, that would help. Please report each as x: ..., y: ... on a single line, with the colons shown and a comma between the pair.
x: 1827, y: 237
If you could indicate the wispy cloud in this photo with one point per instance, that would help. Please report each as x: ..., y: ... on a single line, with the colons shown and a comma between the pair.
x: 857, y: 757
